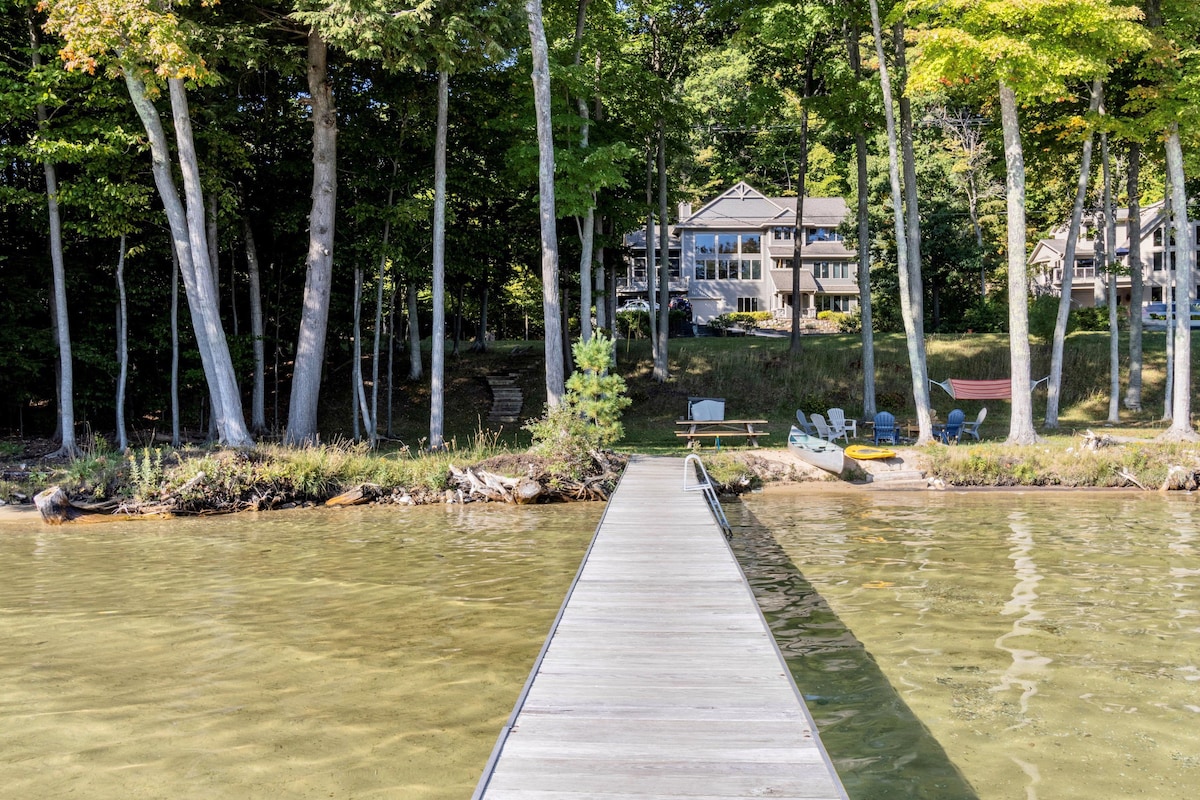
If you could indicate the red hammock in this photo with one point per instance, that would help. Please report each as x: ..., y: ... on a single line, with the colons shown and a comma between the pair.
x: 961, y: 389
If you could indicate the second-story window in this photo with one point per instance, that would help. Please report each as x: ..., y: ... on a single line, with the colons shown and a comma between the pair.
x: 729, y: 256
x: 782, y: 233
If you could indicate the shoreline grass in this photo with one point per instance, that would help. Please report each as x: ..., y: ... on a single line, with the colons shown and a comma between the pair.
x: 758, y: 378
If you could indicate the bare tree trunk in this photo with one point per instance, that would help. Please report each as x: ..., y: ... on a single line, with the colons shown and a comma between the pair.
x: 864, y: 234
x: 913, y: 227
x: 437, y: 368
x: 1110, y: 257
x: 864, y: 275
x: 587, y: 226
x: 373, y: 430
x: 601, y: 296
x: 391, y: 372
x: 415, y: 369
x: 258, y: 413
x: 1170, y: 264
x: 318, y: 281
x: 916, y: 364
x: 1181, y: 412
x: 798, y: 236
x: 651, y: 269
x: 1137, y: 289
x: 661, y: 364
x: 1020, y: 430
x: 227, y: 409
x: 360, y: 393
x: 1054, y: 385
x: 62, y: 329
x: 122, y: 349
x: 555, y: 378
x: 176, y: 438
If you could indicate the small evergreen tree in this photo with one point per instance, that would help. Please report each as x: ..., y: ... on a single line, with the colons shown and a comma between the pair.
x: 589, y: 416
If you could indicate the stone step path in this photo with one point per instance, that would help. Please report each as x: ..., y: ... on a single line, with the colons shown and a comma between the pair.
x: 506, y: 398
x: 899, y: 479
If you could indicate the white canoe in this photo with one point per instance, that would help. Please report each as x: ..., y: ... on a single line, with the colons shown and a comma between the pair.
x: 818, y: 452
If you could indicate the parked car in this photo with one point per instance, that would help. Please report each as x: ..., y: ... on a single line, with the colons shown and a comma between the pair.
x: 637, y: 305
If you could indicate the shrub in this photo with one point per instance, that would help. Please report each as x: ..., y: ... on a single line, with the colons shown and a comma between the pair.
x: 589, y: 417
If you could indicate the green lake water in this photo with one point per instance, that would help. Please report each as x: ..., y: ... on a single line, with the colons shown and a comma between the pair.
x: 360, y: 653
x: 992, y: 645
x: 950, y: 645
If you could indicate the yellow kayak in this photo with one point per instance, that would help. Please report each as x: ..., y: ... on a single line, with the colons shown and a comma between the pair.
x: 862, y: 452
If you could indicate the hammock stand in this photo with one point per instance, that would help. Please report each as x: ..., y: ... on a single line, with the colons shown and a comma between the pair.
x: 963, y: 389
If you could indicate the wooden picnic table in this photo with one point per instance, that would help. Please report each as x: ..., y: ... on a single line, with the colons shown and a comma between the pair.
x: 698, y: 429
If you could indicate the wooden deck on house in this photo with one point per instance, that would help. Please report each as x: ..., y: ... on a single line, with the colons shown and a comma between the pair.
x: 660, y: 678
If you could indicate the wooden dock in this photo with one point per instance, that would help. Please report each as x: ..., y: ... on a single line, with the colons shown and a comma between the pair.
x: 660, y: 678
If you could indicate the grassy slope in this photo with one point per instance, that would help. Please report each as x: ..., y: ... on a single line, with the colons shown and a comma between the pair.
x: 759, y: 378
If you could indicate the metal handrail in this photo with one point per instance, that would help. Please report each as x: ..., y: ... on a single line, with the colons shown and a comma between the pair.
x: 705, y: 485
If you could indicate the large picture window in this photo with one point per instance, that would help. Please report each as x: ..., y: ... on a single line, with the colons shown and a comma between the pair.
x: 729, y: 257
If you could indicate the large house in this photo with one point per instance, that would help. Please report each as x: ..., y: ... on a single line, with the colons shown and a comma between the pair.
x: 735, y: 254
x: 1089, y: 285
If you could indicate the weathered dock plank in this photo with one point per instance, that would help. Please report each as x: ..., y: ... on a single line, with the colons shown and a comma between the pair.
x: 660, y: 678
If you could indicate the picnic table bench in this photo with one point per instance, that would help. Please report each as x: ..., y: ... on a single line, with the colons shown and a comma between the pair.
x: 698, y: 429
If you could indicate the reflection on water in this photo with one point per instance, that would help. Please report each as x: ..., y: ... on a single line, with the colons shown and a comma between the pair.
x: 1048, y: 642
x: 354, y: 653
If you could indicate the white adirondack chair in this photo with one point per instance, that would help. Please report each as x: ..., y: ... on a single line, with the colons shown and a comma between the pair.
x: 841, y: 426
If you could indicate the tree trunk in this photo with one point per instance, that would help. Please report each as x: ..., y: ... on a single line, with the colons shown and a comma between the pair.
x: 391, y: 360
x: 62, y: 328
x: 318, y: 279
x: 360, y: 393
x: 916, y: 365
x: 1137, y: 289
x: 415, y: 369
x: 258, y: 412
x: 373, y: 430
x: 176, y: 438
x: 1170, y: 264
x: 864, y: 233
x: 661, y: 364
x: 603, y: 321
x: 913, y: 241
x: 587, y: 226
x: 199, y: 292
x: 1020, y: 430
x: 651, y: 269
x: 798, y: 236
x: 1181, y: 411
x: 1054, y: 385
x: 437, y: 368
x: 227, y: 401
x: 214, y: 251
x: 555, y: 379
x: 1110, y: 263
x: 122, y: 349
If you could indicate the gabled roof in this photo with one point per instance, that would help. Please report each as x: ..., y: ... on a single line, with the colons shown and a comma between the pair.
x: 1049, y: 250
x: 740, y: 206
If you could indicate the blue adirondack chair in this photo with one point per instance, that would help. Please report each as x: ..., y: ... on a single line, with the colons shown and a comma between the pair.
x: 885, y: 429
x: 953, y: 427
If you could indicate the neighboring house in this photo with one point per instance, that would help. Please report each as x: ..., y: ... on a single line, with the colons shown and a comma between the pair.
x: 735, y: 254
x: 1089, y: 284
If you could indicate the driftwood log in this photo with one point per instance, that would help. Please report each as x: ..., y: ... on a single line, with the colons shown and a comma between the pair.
x: 481, y: 484
x: 356, y: 496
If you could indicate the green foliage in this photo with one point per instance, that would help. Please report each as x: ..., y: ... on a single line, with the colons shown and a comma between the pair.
x: 746, y: 320
x: 146, y: 473
x: 988, y: 316
x: 1043, y: 312
x: 589, y: 418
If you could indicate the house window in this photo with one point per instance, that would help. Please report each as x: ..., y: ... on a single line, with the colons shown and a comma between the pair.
x: 842, y: 303
x: 831, y: 269
x: 747, y: 304
x: 782, y: 234
x: 1156, y: 261
x: 729, y: 257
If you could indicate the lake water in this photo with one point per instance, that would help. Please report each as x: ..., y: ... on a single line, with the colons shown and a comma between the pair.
x: 360, y: 653
x: 998, y: 645
x: 992, y: 645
